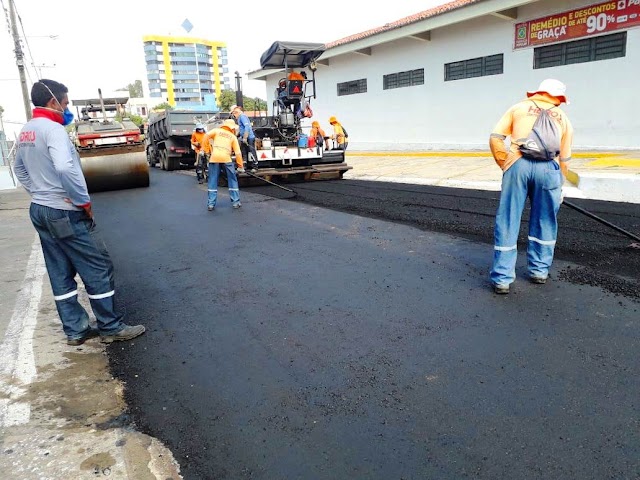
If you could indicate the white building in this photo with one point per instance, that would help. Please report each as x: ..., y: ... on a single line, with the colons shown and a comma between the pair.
x: 442, y: 78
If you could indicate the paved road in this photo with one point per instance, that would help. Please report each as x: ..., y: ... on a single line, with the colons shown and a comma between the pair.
x: 291, y: 341
x: 602, y: 253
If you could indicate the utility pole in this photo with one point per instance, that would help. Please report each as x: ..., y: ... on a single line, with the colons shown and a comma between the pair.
x: 20, y: 61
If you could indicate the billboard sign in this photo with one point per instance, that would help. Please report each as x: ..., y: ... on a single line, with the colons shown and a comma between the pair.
x: 578, y: 23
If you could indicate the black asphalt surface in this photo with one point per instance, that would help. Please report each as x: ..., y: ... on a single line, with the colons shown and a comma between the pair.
x: 290, y: 341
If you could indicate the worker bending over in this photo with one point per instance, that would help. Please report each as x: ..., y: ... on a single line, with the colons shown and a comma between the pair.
x: 198, y: 146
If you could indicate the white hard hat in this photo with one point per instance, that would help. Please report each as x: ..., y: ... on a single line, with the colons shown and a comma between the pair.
x: 553, y: 87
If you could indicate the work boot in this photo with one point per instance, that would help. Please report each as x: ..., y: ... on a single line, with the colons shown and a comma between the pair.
x: 210, y: 208
x: 237, y: 205
x: 501, y: 289
x: 127, y: 333
x: 539, y: 280
x: 93, y: 333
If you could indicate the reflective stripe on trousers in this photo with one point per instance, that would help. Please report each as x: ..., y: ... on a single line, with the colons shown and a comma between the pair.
x: 541, y: 182
x: 71, y: 245
x: 232, y: 180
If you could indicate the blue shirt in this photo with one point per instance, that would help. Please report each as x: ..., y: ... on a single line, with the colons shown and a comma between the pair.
x: 245, y: 126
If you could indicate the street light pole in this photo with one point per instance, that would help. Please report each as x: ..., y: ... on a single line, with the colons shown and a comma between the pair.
x: 239, y: 96
x: 20, y: 61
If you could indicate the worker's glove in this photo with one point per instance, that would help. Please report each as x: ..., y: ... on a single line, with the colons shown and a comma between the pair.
x: 240, y: 170
x: 197, y: 144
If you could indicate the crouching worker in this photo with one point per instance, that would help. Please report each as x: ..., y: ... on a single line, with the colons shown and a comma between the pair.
x: 223, y: 142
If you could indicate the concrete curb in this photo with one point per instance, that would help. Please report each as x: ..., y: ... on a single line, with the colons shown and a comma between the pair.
x: 62, y: 414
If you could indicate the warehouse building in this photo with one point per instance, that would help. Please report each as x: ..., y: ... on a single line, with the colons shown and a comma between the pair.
x: 441, y: 79
x: 186, y: 72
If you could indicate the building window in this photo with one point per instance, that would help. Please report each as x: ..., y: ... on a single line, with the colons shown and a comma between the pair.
x: 474, y: 67
x: 403, y: 79
x: 580, y: 51
x: 352, y: 87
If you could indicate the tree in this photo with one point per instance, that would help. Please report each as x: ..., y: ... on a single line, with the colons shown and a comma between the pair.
x: 162, y: 106
x: 137, y: 119
x: 228, y: 99
x: 134, y: 89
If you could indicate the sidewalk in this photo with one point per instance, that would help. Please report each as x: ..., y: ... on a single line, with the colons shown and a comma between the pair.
x: 611, y: 176
x: 61, y: 412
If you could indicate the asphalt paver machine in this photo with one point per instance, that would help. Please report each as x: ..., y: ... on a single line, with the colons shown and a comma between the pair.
x: 284, y: 151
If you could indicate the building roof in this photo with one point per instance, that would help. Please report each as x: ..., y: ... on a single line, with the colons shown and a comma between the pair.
x: 418, y: 26
x: 403, y: 22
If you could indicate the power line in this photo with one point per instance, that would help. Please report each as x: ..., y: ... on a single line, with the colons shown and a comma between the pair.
x: 6, y: 16
x: 19, y: 60
x: 26, y: 42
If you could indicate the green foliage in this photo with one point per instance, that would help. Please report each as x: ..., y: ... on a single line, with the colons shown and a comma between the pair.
x: 134, y: 89
x: 228, y: 99
x: 162, y: 106
x: 254, y: 104
x: 137, y: 119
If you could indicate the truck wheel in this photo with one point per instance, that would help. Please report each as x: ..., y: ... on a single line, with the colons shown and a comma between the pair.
x: 173, y: 163
x: 163, y: 159
x: 150, y: 158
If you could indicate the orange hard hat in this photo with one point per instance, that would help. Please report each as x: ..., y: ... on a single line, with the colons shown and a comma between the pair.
x: 315, y: 123
x: 333, y: 120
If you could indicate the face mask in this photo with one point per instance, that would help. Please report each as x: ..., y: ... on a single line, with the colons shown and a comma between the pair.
x: 67, y: 117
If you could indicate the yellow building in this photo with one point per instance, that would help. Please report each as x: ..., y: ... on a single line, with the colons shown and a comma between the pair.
x: 186, y: 72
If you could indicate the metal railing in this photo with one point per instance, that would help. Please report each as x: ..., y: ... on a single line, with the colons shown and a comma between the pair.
x: 8, y: 156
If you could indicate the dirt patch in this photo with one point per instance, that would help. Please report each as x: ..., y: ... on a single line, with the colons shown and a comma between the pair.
x: 81, y: 392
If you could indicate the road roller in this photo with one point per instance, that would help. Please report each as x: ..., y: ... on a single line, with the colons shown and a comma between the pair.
x: 111, y: 151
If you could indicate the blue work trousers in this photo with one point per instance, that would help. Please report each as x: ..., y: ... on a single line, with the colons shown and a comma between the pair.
x: 541, y: 182
x: 71, y: 245
x: 232, y: 180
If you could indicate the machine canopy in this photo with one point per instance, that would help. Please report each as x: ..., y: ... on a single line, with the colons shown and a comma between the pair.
x: 291, y: 54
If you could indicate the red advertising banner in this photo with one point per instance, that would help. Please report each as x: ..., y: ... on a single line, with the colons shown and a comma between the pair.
x: 582, y: 22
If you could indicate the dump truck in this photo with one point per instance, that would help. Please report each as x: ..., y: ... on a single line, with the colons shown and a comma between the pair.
x: 168, y: 137
x: 109, y: 149
x: 280, y: 147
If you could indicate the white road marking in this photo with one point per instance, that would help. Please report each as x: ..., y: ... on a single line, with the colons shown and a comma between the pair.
x: 18, y: 367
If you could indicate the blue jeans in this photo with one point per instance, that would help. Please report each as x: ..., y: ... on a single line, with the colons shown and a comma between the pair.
x: 232, y: 180
x: 541, y: 182
x: 71, y: 245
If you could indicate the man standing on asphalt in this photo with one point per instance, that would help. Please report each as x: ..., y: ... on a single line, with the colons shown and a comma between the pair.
x: 247, y: 137
x: 48, y: 167
x: 526, y: 177
x: 223, y: 142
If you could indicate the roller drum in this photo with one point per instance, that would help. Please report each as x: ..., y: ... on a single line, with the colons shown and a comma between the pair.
x: 115, y: 172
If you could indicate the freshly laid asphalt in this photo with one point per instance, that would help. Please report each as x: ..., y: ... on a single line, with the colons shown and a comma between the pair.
x: 289, y: 340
